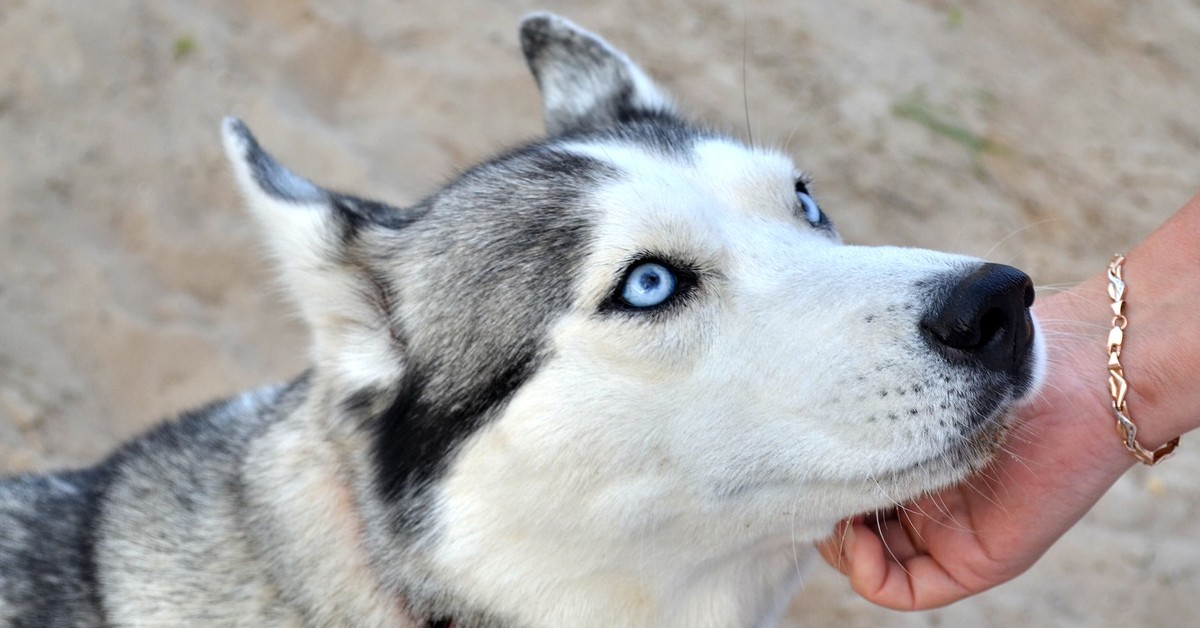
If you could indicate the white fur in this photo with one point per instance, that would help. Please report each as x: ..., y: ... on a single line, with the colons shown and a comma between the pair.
x: 349, y: 338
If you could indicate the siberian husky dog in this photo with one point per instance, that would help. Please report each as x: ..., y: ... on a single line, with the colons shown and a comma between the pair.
x: 615, y: 377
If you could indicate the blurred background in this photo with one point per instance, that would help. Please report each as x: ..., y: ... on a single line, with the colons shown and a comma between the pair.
x: 1045, y: 135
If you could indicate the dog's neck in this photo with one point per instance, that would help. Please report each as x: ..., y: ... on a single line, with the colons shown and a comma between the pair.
x: 308, y: 523
x: 748, y: 587
x: 603, y: 554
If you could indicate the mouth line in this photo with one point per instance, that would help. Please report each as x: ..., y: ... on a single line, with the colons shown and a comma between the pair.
x: 973, y: 444
x: 941, y: 460
x: 983, y: 438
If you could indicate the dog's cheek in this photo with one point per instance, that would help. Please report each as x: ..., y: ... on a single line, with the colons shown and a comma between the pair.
x: 525, y: 489
x: 659, y: 347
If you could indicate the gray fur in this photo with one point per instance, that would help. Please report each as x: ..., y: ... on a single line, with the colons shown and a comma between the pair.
x: 182, y: 523
x: 586, y: 84
x: 47, y: 565
x: 158, y: 508
x: 179, y: 518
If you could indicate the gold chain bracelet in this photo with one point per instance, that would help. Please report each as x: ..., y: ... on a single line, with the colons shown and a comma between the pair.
x: 1117, y: 385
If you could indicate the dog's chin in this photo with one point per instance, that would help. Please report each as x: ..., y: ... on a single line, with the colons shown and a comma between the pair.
x: 970, y: 452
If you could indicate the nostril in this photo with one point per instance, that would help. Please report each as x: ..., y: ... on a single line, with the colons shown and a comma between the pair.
x: 991, y: 324
x: 1029, y: 295
x: 969, y: 335
x: 966, y: 335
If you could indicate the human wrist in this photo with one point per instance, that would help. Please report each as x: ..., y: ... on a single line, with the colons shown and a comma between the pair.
x: 1073, y: 413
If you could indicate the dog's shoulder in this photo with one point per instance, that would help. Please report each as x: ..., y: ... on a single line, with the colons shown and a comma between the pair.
x: 54, y: 527
x: 176, y: 474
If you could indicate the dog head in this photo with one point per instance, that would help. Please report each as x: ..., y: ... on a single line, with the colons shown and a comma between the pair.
x: 636, y: 347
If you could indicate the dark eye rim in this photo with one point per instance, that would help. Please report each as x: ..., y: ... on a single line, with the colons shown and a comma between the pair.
x: 687, y: 278
x: 802, y: 188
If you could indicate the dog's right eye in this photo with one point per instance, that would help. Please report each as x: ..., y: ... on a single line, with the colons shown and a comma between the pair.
x: 812, y: 213
x: 648, y: 285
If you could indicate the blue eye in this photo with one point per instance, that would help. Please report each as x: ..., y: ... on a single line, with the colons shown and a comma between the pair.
x: 812, y: 213
x: 648, y: 285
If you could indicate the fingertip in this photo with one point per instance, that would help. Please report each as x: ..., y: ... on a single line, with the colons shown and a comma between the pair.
x: 867, y: 561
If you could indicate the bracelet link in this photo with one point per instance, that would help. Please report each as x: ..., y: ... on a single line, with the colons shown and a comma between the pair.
x: 1116, y: 336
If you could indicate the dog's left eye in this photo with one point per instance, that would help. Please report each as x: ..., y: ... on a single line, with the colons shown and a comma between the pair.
x: 812, y: 213
x: 647, y: 285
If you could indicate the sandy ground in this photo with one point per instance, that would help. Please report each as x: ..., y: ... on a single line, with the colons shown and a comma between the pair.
x: 1046, y: 135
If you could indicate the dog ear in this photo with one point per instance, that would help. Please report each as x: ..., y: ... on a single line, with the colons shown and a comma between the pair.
x: 586, y: 84
x: 319, y: 238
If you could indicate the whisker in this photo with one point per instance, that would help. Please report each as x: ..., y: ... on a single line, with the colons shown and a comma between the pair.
x: 745, y: 91
x: 912, y: 526
x: 887, y: 546
x: 796, y: 549
x: 1066, y: 285
x: 952, y: 522
x: 1017, y: 232
x: 787, y: 143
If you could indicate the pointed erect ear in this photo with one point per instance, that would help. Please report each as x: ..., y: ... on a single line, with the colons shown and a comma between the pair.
x: 322, y: 241
x: 305, y: 225
x: 586, y: 84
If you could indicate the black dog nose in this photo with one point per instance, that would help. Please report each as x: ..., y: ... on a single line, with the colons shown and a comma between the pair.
x: 985, y: 319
